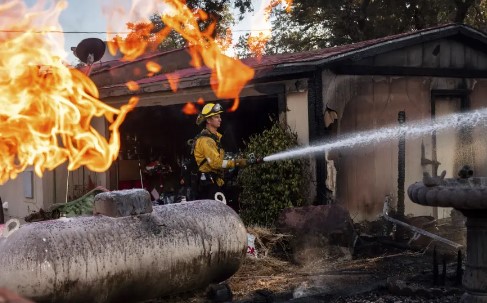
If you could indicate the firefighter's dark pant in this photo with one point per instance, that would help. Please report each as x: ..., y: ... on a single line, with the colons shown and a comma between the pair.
x: 208, y: 188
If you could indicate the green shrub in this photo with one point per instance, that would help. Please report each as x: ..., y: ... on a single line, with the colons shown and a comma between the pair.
x: 270, y: 187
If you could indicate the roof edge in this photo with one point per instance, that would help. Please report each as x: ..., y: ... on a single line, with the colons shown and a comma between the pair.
x: 399, y: 42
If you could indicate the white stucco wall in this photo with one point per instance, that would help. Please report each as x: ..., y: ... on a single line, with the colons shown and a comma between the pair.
x: 14, y: 192
x: 79, y: 179
x: 51, y: 187
x: 297, y: 120
x: 297, y: 115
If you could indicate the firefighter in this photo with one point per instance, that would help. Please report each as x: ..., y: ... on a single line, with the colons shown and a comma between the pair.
x: 209, y: 154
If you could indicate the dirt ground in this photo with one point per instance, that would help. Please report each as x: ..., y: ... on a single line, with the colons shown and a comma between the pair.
x: 376, y: 271
x: 401, y: 277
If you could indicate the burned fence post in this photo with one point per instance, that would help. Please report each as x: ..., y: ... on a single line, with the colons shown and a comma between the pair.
x: 401, y: 174
x: 435, y: 267
x: 443, y: 272
x: 459, y: 275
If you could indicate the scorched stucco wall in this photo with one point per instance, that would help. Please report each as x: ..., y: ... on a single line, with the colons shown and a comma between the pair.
x: 366, y: 173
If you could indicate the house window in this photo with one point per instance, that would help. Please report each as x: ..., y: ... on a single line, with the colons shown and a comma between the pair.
x: 28, y: 180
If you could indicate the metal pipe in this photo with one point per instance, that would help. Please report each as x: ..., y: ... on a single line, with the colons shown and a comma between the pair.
x: 67, y: 187
x: 176, y: 248
x: 415, y: 229
x: 401, y: 174
x: 2, y: 215
x: 401, y: 165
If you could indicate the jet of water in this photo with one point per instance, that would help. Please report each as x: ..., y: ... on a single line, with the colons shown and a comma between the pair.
x: 411, y: 130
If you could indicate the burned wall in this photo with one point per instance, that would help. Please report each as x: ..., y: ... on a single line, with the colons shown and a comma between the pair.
x: 366, y: 173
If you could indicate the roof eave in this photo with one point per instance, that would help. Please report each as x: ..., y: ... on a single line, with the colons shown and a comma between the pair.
x: 394, y: 44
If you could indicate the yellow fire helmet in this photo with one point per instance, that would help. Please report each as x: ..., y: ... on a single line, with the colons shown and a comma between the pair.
x: 209, y: 110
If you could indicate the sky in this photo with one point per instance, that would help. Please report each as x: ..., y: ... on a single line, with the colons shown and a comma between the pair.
x: 82, y: 16
x: 87, y: 16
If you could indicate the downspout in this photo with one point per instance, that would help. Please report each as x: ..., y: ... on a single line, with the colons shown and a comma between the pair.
x: 281, y: 107
x: 401, y: 165
x: 401, y: 172
x: 2, y: 215
x: 316, y: 132
x: 54, y: 195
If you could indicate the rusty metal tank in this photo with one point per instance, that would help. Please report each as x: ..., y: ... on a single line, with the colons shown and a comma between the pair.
x: 173, y: 249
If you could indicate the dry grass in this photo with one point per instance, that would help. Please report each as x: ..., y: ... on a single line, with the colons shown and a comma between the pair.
x: 277, y: 274
x: 266, y: 239
x: 266, y: 271
x: 263, y: 273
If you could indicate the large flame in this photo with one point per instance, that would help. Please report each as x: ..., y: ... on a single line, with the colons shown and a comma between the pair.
x: 47, y: 108
x: 228, y: 75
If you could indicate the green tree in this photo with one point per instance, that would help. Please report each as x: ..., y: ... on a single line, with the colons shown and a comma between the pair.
x: 270, y: 187
x: 323, y: 23
x: 288, y: 35
x: 219, y: 15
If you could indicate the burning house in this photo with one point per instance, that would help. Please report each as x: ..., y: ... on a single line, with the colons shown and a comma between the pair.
x: 322, y: 95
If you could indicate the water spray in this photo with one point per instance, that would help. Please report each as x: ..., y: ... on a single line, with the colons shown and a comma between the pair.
x: 414, y: 129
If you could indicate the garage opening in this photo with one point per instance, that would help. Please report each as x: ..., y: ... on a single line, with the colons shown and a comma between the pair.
x: 154, y: 142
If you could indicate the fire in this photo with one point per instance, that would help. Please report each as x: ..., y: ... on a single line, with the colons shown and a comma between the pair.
x: 132, y: 85
x: 153, y: 68
x: 134, y: 45
x: 190, y: 109
x: 261, y: 29
x: 46, y: 107
x: 173, y: 80
x: 228, y: 75
x: 235, y: 105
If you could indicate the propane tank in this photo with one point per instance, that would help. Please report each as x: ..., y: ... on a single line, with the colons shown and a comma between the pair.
x: 175, y: 248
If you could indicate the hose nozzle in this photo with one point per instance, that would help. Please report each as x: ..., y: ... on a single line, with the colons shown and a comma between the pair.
x: 254, y: 160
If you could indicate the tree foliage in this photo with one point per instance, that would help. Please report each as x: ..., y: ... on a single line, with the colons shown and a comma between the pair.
x: 219, y: 13
x: 316, y: 24
x: 268, y: 188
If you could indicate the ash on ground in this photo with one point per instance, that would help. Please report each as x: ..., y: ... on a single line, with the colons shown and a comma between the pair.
x: 374, y: 267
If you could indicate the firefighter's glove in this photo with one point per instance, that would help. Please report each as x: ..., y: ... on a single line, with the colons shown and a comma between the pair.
x: 240, y: 162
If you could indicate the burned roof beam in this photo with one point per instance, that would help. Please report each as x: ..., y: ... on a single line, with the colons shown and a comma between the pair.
x: 317, y: 134
x: 409, y: 71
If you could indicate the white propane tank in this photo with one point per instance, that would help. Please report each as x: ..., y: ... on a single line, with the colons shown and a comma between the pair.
x: 176, y: 248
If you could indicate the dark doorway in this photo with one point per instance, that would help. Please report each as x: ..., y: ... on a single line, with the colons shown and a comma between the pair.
x: 160, y: 133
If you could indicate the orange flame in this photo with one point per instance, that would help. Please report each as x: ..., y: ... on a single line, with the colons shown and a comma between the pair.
x: 258, y: 38
x: 257, y: 43
x: 225, y: 42
x: 137, y: 41
x: 235, y: 105
x: 190, y: 109
x: 132, y: 85
x: 173, y: 80
x: 153, y: 67
x: 228, y: 75
x: 47, y: 108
